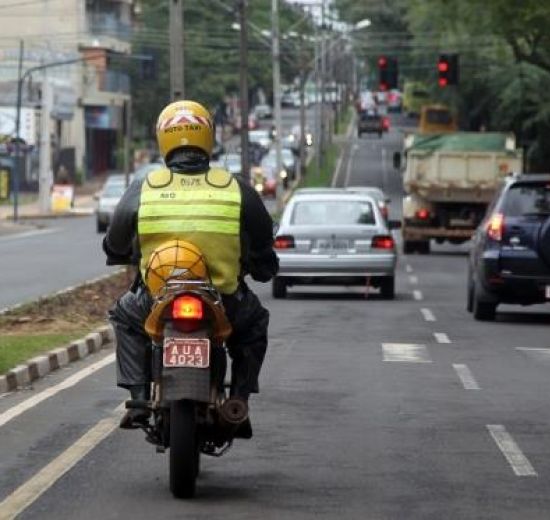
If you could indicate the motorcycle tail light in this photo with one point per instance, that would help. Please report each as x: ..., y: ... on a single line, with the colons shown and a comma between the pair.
x: 284, y: 242
x: 383, y: 242
x: 386, y: 123
x: 187, y: 308
x: 495, y: 227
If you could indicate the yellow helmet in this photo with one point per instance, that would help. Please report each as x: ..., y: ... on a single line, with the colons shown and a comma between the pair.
x: 185, y: 123
x: 174, y: 260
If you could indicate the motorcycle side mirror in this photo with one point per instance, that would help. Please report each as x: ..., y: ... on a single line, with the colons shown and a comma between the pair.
x: 397, y: 160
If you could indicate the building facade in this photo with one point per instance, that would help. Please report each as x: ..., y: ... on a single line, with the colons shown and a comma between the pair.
x: 92, y: 92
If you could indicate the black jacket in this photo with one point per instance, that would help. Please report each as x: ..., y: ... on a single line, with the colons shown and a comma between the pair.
x: 258, y: 259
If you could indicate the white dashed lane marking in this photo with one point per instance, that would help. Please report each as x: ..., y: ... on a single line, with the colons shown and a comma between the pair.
x: 408, y: 268
x: 417, y: 295
x: 428, y: 314
x: 413, y: 279
x: 441, y: 337
x: 509, y: 448
x: 406, y: 353
x: 538, y: 354
x: 466, y: 377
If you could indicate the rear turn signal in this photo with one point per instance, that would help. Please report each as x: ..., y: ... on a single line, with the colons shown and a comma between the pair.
x: 284, y: 242
x: 383, y: 242
x: 495, y: 227
x: 187, y: 308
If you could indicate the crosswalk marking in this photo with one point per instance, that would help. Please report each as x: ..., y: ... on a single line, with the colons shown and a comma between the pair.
x: 428, y: 314
x: 441, y: 337
x: 417, y: 295
x: 406, y: 353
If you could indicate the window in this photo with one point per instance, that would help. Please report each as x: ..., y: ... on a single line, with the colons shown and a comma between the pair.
x: 332, y: 213
x: 527, y: 199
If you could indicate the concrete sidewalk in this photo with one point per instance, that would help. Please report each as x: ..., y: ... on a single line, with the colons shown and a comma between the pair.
x: 29, y: 212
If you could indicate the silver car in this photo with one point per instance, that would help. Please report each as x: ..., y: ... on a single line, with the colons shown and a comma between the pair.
x: 107, y: 200
x: 335, y: 237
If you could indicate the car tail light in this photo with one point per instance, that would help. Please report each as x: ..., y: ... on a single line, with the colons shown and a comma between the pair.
x: 495, y: 227
x: 423, y: 214
x: 386, y: 123
x: 187, y: 308
x: 284, y: 242
x: 383, y: 242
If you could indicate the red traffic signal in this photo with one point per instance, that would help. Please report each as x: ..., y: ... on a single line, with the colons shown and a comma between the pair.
x: 447, y: 69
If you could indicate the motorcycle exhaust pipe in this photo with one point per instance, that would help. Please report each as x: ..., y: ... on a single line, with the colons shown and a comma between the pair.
x: 233, y: 411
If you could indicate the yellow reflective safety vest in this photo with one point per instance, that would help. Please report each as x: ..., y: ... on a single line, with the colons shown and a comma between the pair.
x: 204, y: 209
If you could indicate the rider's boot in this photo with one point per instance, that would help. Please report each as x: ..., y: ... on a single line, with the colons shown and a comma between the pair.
x: 137, y: 417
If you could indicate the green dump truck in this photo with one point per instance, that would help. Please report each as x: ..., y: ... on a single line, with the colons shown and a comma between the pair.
x: 449, y: 180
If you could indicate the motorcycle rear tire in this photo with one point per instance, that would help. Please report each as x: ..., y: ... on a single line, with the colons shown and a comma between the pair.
x: 184, y: 449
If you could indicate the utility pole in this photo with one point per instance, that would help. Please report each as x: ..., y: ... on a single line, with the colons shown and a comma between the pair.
x: 45, y: 176
x: 277, y: 100
x: 18, y: 166
x: 323, y: 87
x: 177, y: 83
x: 243, y: 73
x: 127, y: 140
x: 303, y: 79
x: 318, y: 107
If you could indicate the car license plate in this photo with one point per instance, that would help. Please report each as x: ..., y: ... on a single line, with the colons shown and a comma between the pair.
x: 547, y: 292
x: 332, y: 245
x: 186, y: 352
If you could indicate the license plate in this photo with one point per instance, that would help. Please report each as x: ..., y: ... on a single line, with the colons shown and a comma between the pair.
x: 186, y: 352
x: 332, y: 245
x: 547, y: 292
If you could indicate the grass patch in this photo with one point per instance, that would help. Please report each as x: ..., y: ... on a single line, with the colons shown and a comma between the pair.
x: 16, y: 349
x: 323, y: 178
x: 344, y: 120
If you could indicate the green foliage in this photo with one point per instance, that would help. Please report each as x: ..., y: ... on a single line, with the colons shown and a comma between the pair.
x: 504, y: 49
x: 211, y: 53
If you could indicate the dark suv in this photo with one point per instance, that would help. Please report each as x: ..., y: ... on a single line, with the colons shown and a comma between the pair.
x: 510, y: 256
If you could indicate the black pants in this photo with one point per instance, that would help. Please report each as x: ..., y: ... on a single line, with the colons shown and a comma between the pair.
x: 247, y: 344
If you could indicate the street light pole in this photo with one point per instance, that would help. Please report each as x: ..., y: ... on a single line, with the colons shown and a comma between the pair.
x: 243, y: 73
x: 177, y: 84
x: 277, y: 100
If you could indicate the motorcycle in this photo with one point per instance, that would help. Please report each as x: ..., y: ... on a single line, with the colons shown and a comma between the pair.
x: 192, y: 413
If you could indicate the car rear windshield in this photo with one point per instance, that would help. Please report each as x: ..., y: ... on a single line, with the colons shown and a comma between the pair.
x: 332, y: 213
x: 527, y: 199
x: 365, y: 116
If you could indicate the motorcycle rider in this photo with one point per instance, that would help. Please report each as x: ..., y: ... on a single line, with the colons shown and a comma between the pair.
x: 190, y: 201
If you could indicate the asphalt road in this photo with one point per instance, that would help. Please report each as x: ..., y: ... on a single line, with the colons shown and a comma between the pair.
x: 369, y: 409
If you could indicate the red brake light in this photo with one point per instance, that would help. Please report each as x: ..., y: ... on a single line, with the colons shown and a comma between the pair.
x: 284, y: 242
x: 187, y: 308
x: 423, y: 214
x: 386, y: 123
x: 383, y: 242
x: 495, y: 227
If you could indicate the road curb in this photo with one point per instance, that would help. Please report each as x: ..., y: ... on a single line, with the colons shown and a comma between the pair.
x: 51, y: 216
x: 39, y: 366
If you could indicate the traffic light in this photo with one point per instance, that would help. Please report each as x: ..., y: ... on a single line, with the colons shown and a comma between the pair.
x: 447, y: 68
x: 387, y: 73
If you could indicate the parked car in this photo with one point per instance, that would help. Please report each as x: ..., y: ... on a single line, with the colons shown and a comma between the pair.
x: 334, y: 237
x: 510, y: 254
x: 377, y: 194
x: 371, y: 122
